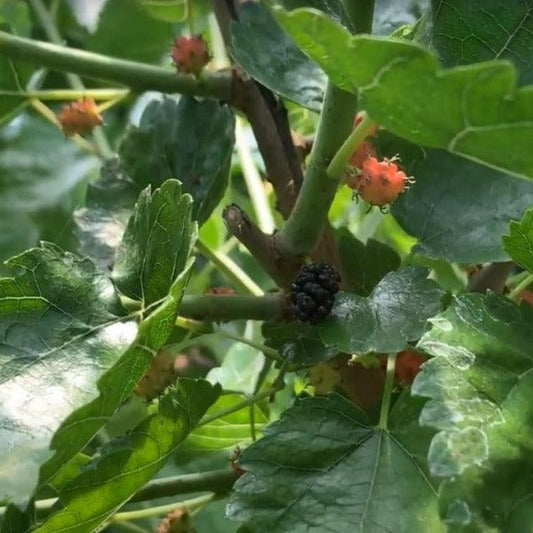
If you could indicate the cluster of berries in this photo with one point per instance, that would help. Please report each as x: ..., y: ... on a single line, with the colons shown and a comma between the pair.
x: 313, y: 292
x: 377, y: 182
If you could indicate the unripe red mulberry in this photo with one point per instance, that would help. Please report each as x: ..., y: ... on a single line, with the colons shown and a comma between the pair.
x: 177, y: 521
x: 79, y: 117
x: 159, y: 375
x: 380, y: 182
x: 365, y: 149
x: 190, y: 54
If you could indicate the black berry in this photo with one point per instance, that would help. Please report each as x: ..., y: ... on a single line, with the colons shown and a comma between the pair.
x: 313, y: 292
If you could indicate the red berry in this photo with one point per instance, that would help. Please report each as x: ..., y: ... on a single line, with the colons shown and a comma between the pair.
x: 408, y: 365
x: 190, y: 54
x: 380, y: 182
x: 365, y: 149
x: 79, y: 117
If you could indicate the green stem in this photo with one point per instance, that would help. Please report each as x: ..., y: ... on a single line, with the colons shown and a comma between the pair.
x: 138, y: 76
x: 190, y: 505
x: 50, y: 28
x: 361, y: 13
x: 524, y: 284
x: 232, y: 270
x: 358, y: 135
x: 222, y: 308
x: 127, y: 526
x: 253, y: 181
x: 306, y: 221
x: 69, y: 94
x: 387, y: 392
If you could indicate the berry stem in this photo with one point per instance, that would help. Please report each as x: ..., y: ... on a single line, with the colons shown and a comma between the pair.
x: 190, y: 17
x: 387, y: 392
x: 358, y: 135
x: 138, y: 76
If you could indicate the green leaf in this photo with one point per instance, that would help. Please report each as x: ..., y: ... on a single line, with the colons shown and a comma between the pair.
x: 321, y: 467
x: 462, y: 33
x: 15, y: 18
x: 299, y: 343
x: 42, y: 179
x: 110, y: 481
x: 269, y: 55
x: 457, y: 209
x: 156, y: 244
x: 480, y: 385
x: 167, y: 10
x: 475, y: 111
x: 239, y: 370
x: 395, y: 313
x: 519, y: 243
x: 15, y: 520
x: 364, y: 264
x: 61, y: 331
x: 191, y: 141
x: 143, y: 38
x: 228, y: 431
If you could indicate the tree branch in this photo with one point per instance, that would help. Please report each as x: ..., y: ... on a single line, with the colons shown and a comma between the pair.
x: 138, y: 76
x: 223, y: 308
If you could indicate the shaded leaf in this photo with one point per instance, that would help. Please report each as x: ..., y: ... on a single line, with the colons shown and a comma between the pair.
x: 475, y: 111
x: 42, y: 179
x: 519, y: 243
x: 269, y: 55
x: 323, y: 468
x: 457, y: 209
x: 111, y: 480
x: 228, y: 431
x: 462, y: 33
x: 167, y: 10
x: 191, y: 141
x: 479, y: 382
x: 297, y: 342
x: 396, y: 312
x: 143, y: 38
x: 364, y: 264
x: 156, y: 244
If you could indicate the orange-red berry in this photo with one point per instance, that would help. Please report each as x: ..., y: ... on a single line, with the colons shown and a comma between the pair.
x: 190, y: 54
x: 79, y: 117
x: 379, y: 182
x: 407, y: 367
x: 366, y: 149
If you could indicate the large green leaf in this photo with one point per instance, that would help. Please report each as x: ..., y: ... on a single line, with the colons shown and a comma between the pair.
x: 519, y: 243
x: 396, y: 312
x: 191, y: 141
x: 457, y: 209
x: 61, y: 330
x: 269, y: 55
x: 42, y: 179
x: 156, y: 244
x: 480, y: 384
x: 463, y: 33
x: 228, y: 431
x: 364, y: 265
x: 111, y: 480
x: 475, y: 111
x: 323, y: 468
x: 142, y: 38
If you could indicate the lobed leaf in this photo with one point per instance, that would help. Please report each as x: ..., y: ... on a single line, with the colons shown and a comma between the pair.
x: 476, y: 111
x: 479, y: 384
x: 321, y: 467
x: 395, y: 313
